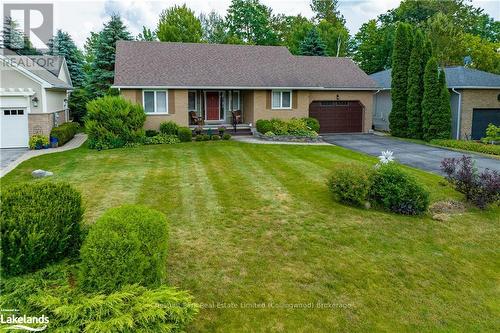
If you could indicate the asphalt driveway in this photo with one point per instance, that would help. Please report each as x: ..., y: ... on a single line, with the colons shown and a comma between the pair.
x: 413, y: 154
x: 9, y: 155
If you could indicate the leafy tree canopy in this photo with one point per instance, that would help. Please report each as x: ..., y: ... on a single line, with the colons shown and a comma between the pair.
x: 179, y: 24
x: 251, y: 22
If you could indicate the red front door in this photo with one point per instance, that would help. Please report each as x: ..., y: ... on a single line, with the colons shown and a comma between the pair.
x: 213, y: 105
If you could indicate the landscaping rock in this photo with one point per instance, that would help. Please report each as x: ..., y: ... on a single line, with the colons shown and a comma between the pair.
x: 441, y: 217
x: 41, y: 173
x: 447, y: 207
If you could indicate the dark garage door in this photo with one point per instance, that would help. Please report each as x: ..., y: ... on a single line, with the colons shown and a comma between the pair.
x: 480, y: 120
x: 338, y: 116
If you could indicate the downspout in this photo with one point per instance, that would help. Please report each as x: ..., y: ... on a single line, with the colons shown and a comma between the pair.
x: 374, y: 114
x: 459, y: 112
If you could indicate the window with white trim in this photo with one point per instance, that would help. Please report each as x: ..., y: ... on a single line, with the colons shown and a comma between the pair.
x: 281, y: 99
x: 155, y: 101
x: 236, y: 100
x: 192, y: 100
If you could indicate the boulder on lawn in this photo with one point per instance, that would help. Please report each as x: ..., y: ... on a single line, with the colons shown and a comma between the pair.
x: 41, y: 173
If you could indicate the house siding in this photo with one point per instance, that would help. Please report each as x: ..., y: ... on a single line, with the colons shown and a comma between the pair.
x: 476, y: 99
x: 256, y: 104
x: 177, y: 107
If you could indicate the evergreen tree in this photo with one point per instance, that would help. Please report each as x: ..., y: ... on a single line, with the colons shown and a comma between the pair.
x: 442, y: 119
x: 416, y: 86
x: 431, y: 100
x: 398, y: 118
x: 104, y: 49
x: 312, y: 45
x: 63, y: 45
x: 14, y: 39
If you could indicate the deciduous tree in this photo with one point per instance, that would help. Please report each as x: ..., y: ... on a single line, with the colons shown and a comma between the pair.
x: 179, y: 24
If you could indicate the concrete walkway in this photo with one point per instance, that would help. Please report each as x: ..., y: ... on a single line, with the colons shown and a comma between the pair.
x: 417, y: 155
x: 8, y: 163
x: 252, y: 139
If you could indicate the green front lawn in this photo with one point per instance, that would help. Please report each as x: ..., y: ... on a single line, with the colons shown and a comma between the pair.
x: 255, y: 224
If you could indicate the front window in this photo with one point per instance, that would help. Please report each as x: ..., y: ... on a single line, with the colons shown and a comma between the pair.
x: 192, y: 100
x: 282, y: 99
x: 155, y: 101
x: 236, y: 100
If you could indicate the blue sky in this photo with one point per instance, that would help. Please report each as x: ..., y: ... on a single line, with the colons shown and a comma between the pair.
x: 80, y: 17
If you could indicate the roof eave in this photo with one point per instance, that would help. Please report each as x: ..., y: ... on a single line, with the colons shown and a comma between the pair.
x: 242, y: 87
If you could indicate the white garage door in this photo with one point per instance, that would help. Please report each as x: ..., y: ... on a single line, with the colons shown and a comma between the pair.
x: 14, y: 126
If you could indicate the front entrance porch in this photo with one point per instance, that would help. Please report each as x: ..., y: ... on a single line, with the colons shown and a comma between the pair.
x: 215, y: 107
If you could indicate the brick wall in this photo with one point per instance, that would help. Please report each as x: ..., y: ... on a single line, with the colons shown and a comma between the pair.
x: 42, y: 123
x: 476, y: 99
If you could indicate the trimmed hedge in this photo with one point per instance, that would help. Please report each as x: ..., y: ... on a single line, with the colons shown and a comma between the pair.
x: 312, y: 123
x: 169, y: 128
x: 64, y: 132
x: 113, y: 122
x: 293, y: 127
x: 469, y: 145
x: 40, y: 224
x: 127, y: 245
x: 396, y: 191
x: 351, y: 184
x: 185, y: 134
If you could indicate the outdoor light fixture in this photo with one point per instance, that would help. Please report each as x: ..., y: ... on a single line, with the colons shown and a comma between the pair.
x: 65, y: 103
x: 35, y: 102
x: 338, y: 97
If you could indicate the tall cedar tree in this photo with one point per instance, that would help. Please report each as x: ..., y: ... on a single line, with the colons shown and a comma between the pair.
x: 103, y: 65
x: 398, y: 118
x: 442, y: 119
x: 431, y: 100
x: 63, y: 45
x: 416, y: 86
x: 312, y: 45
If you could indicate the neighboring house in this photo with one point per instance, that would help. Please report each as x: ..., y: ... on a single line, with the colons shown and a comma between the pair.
x: 33, y: 97
x: 172, y: 80
x: 474, y: 99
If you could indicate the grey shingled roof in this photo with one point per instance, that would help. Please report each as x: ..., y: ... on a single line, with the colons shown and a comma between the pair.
x: 143, y: 64
x: 32, y: 66
x: 456, y: 77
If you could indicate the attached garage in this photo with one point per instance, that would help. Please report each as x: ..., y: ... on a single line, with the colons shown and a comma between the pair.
x: 14, y: 120
x: 338, y: 116
x: 480, y: 120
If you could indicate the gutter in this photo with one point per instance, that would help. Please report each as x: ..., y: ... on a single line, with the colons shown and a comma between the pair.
x: 459, y: 112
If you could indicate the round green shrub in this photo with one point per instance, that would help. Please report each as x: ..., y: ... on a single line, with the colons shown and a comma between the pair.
x: 226, y: 136
x: 169, y: 128
x: 112, y: 122
x: 205, y: 137
x: 127, y: 245
x: 351, y: 184
x: 40, y: 224
x: 215, y: 138
x: 312, y: 124
x: 263, y: 126
x: 199, y: 137
x: 185, y: 134
x: 397, y: 191
x: 150, y: 133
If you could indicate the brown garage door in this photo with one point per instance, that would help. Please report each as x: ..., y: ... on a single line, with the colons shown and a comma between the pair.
x: 338, y: 116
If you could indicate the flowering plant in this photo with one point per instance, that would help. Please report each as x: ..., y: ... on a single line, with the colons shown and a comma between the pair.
x: 386, y: 157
